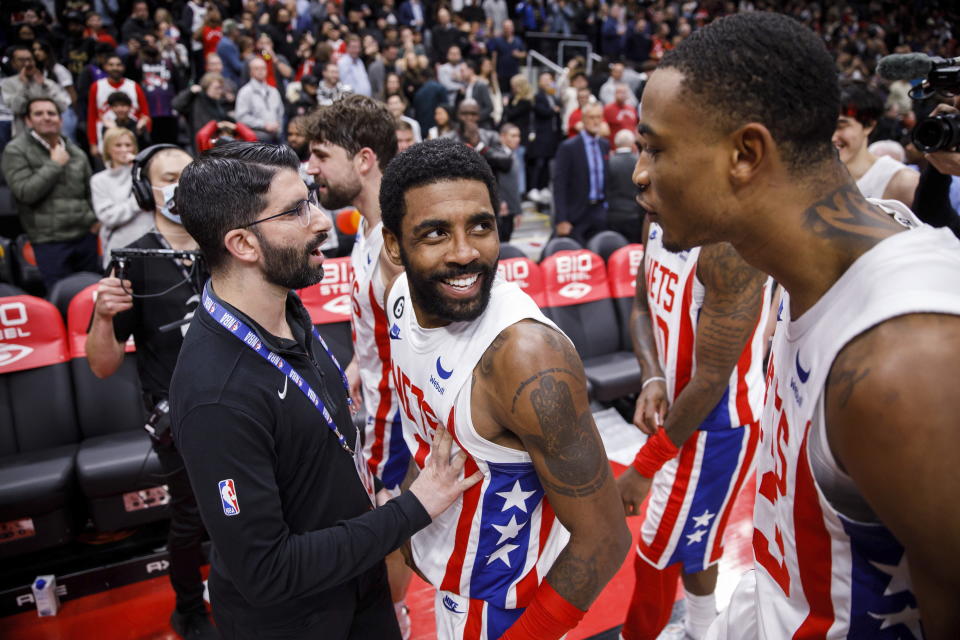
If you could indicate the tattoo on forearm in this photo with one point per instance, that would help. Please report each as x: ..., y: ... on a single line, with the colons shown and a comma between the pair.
x: 845, y: 213
x: 572, y: 454
x: 576, y: 579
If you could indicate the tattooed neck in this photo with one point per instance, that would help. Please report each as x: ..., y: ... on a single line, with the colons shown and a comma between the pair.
x: 846, y: 216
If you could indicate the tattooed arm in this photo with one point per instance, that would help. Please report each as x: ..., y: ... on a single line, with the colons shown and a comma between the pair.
x: 732, y: 304
x: 652, y: 403
x: 891, y: 418
x: 532, y: 386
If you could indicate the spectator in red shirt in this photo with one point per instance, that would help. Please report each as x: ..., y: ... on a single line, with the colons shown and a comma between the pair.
x: 94, y: 29
x: 211, y: 31
x: 619, y: 114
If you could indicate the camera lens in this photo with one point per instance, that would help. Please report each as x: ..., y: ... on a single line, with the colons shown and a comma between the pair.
x: 938, y: 133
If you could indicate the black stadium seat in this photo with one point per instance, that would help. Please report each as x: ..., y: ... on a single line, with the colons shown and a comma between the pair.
x: 64, y: 291
x: 622, y: 268
x: 559, y: 243
x: 7, y: 264
x: 330, y: 306
x: 508, y: 250
x: 38, y: 432
x: 118, y: 472
x: 578, y: 300
x: 28, y: 274
x: 605, y: 243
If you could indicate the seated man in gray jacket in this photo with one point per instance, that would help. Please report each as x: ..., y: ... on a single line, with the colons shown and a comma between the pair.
x: 485, y: 141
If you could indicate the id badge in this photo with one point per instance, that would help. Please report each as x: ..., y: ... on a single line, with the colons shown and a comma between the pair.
x: 363, y: 471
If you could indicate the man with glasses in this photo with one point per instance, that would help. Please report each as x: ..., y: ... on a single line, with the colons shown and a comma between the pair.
x: 260, y: 413
x: 29, y: 83
x: 484, y: 141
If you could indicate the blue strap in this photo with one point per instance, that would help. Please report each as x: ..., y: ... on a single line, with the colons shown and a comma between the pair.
x: 249, y: 337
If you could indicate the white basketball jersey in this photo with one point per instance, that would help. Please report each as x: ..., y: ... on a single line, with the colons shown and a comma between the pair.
x: 675, y: 297
x: 820, y: 573
x: 499, y: 539
x: 874, y: 182
x: 371, y: 347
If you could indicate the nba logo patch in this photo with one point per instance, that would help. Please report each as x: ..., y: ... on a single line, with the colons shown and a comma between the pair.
x: 228, y: 496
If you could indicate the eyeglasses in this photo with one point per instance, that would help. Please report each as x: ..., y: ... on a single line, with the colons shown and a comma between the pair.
x: 302, y: 212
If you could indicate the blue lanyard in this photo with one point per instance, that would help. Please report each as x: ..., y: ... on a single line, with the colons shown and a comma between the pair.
x: 243, y: 333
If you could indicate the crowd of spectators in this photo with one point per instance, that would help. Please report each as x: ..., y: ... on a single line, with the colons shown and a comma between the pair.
x: 192, y: 73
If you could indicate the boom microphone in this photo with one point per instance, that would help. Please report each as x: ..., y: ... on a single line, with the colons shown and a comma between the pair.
x: 905, y: 66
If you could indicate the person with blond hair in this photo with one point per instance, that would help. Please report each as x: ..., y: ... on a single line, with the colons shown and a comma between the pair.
x: 121, y: 219
x: 519, y: 111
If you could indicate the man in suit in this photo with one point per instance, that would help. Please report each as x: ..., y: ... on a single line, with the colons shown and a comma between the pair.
x: 624, y: 214
x: 580, y: 205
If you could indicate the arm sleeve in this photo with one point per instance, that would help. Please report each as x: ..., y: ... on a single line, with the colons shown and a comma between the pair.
x: 144, y: 106
x: 29, y: 185
x: 268, y: 563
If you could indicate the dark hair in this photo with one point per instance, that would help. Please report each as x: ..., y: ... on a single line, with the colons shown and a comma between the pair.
x: 354, y: 122
x: 226, y: 188
x: 119, y: 97
x: 31, y: 101
x: 730, y: 72
x: 103, y: 48
x: 859, y: 102
x: 430, y: 162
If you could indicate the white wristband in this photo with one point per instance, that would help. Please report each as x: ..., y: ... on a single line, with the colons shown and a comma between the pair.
x: 653, y: 379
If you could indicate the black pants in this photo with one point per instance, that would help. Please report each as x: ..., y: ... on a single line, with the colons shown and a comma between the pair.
x: 590, y: 224
x: 628, y: 225
x: 57, y: 260
x: 360, y: 609
x: 505, y: 227
x: 186, y: 533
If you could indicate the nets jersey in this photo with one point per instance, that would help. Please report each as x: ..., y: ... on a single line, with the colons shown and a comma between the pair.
x: 384, y: 449
x: 501, y: 536
x: 819, y: 573
x: 675, y: 297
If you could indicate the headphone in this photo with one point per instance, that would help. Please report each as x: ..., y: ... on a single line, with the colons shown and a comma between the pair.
x: 142, y: 189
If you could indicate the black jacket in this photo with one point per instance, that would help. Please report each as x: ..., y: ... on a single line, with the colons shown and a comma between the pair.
x: 571, y: 179
x: 305, y: 536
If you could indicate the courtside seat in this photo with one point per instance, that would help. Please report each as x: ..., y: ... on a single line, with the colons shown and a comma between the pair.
x: 526, y: 273
x: 330, y: 306
x: 118, y: 472
x: 622, y: 267
x: 28, y: 274
x: 38, y: 432
x: 559, y: 243
x: 578, y: 300
x: 605, y: 243
x: 7, y: 265
x: 508, y: 250
x: 64, y: 291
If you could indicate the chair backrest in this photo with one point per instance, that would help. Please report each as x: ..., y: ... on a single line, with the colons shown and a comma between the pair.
x: 28, y: 274
x: 526, y: 273
x: 560, y: 243
x: 605, y: 243
x: 508, y: 250
x: 36, y: 406
x: 578, y: 300
x: 330, y: 306
x: 64, y: 291
x: 7, y: 270
x: 622, y: 267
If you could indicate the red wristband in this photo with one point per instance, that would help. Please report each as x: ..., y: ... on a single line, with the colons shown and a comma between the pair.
x: 548, y: 617
x: 654, y: 454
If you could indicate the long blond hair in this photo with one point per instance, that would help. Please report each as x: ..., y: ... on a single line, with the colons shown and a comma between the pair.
x: 521, y: 88
x: 111, y: 136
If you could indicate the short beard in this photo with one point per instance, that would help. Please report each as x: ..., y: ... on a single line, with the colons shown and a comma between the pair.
x: 338, y: 197
x: 289, y: 267
x: 429, y: 299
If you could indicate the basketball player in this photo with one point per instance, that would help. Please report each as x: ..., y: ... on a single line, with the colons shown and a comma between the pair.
x: 876, y: 176
x: 351, y: 142
x: 855, y: 534
x: 477, y: 355
x: 698, y: 324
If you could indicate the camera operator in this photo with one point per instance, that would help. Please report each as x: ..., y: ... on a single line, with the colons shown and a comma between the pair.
x: 117, y: 315
x: 932, y: 199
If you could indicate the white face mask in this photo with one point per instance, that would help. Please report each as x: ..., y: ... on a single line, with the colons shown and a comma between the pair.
x: 167, y: 202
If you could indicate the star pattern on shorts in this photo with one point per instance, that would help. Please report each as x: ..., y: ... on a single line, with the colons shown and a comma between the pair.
x: 696, y: 536
x: 899, y: 575
x: 703, y: 520
x: 908, y: 617
x: 503, y: 553
x: 516, y: 497
x: 510, y: 530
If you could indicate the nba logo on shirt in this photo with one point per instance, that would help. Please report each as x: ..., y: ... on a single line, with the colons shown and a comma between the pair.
x: 228, y: 496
